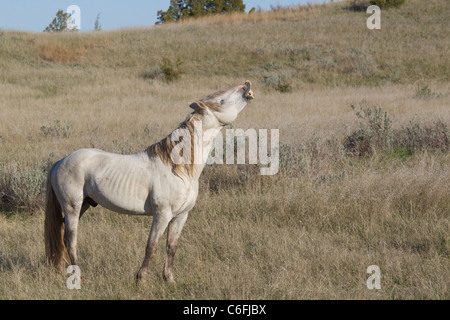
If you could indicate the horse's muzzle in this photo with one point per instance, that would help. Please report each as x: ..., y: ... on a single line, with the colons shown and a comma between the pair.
x: 248, y: 93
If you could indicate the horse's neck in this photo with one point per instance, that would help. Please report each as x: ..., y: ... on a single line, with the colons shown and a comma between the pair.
x: 207, y: 143
x: 204, y: 136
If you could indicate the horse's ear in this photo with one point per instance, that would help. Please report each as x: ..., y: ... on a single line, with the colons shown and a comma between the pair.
x: 194, y: 105
x: 197, y: 106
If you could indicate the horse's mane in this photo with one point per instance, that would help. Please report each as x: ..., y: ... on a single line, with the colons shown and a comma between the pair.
x: 163, y: 149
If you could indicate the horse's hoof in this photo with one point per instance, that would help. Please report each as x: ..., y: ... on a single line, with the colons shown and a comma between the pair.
x: 140, y: 276
x: 168, y: 276
x: 170, y: 280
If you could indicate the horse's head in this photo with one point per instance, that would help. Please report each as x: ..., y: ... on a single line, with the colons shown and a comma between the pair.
x: 227, y: 104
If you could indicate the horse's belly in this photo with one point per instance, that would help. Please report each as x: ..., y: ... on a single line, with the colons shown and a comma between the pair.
x: 121, y: 202
x: 124, y: 191
x: 124, y: 208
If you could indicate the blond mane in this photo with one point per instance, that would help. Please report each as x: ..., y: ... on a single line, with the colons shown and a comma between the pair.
x: 163, y: 149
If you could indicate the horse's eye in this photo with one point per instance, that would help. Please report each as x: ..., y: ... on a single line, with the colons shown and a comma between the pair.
x: 222, y: 101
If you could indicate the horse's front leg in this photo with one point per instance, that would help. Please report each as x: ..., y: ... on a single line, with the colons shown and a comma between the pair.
x: 159, y: 225
x: 174, y: 232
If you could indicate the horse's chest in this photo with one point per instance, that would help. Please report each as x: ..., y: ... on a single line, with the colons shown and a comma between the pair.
x: 186, y: 201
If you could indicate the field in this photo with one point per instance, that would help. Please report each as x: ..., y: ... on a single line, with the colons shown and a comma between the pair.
x: 364, y: 172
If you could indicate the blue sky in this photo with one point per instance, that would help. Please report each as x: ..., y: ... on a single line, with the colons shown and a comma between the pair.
x: 35, y: 15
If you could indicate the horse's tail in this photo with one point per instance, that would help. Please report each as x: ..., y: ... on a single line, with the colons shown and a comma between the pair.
x: 53, y: 227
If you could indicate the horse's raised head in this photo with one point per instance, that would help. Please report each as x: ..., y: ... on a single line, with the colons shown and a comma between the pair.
x: 226, y: 104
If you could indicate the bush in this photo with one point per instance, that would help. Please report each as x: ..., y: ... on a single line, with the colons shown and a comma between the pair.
x: 21, y: 187
x: 171, y: 70
x: 433, y: 137
x: 280, y: 81
x: 167, y: 70
x: 374, y: 131
x: 387, y: 3
x: 423, y: 91
x: 58, y: 129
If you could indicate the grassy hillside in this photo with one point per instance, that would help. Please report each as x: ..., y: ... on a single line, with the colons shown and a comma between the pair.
x: 357, y: 186
x: 327, y: 44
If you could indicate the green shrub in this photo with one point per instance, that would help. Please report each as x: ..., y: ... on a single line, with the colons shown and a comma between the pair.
x: 423, y: 91
x: 167, y: 70
x: 280, y: 81
x: 374, y: 131
x: 23, y: 187
x: 58, y: 129
x: 171, y: 70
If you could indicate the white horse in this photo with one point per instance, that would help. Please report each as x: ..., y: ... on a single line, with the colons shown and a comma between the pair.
x: 147, y: 183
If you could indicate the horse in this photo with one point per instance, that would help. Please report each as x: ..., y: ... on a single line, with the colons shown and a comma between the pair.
x: 160, y: 181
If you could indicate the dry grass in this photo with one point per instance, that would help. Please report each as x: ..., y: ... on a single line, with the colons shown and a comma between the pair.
x: 61, y: 53
x: 308, y: 232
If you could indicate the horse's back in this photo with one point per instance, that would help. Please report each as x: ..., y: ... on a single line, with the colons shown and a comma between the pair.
x: 76, y: 165
x: 85, y: 162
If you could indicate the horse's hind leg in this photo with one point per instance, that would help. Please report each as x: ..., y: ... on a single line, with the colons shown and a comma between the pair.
x: 71, y: 218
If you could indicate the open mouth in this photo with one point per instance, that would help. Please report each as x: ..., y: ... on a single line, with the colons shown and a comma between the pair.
x: 248, y: 93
